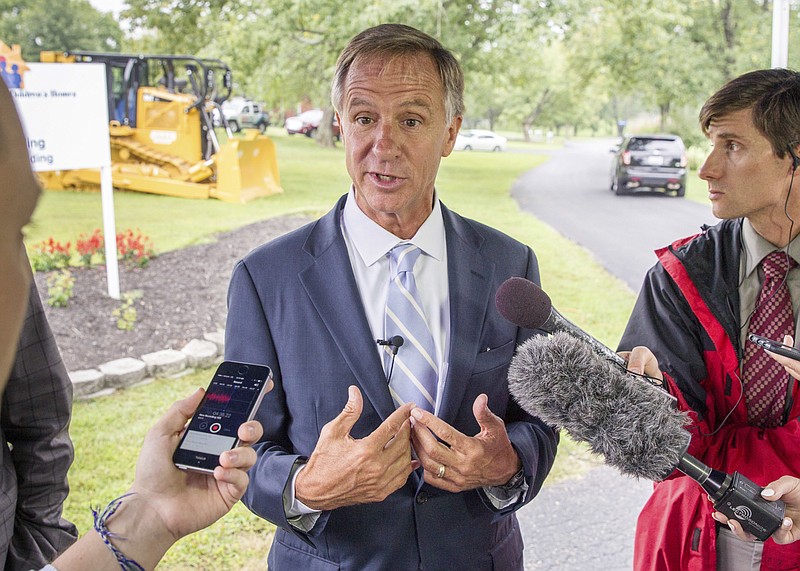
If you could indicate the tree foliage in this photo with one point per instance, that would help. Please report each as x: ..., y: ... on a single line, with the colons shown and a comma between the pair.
x: 36, y: 25
x: 551, y: 64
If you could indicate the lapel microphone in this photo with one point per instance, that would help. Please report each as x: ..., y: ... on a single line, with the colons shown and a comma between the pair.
x: 394, y: 344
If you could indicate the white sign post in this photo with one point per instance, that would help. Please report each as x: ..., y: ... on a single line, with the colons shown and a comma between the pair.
x: 64, y: 112
x: 780, y: 33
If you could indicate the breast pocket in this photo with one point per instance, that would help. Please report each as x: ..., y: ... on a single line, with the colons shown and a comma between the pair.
x: 491, y: 358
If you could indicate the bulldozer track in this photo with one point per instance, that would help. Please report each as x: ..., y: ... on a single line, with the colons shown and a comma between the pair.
x: 142, y: 151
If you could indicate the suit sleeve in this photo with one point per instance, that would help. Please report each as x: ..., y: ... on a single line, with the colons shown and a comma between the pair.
x: 248, y: 338
x: 36, y: 410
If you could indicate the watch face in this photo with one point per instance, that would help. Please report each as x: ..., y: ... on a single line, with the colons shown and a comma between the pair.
x: 515, y: 479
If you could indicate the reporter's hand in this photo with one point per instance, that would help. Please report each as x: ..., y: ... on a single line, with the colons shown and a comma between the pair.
x: 189, y: 501
x: 786, y: 488
x: 343, y: 471
x: 167, y: 503
x: 642, y: 362
x: 792, y: 366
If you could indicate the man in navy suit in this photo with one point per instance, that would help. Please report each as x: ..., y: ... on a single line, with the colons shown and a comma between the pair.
x: 353, y: 479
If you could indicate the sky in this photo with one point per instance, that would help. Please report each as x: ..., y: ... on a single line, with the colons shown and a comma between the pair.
x: 114, y: 6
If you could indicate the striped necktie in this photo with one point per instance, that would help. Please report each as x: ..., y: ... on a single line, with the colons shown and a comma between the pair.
x: 414, y: 374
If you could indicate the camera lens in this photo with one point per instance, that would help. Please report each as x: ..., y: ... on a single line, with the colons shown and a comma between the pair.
x: 243, y: 369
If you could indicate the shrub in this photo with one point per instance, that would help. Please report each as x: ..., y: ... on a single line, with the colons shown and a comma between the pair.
x: 135, y: 248
x: 59, y: 288
x: 50, y: 255
x: 126, y: 313
x: 90, y: 247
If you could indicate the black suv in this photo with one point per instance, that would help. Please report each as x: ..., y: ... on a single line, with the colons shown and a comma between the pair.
x: 650, y: 162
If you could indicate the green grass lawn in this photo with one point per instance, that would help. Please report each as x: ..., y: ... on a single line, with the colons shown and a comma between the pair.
x: 108, y: 431
x: 696, y: 188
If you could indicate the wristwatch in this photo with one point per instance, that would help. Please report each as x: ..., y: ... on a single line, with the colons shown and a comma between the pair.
x: 515, y: 480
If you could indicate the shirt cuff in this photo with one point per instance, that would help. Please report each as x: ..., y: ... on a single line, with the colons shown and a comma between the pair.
x: 503, y: 496
x: 299, y: 515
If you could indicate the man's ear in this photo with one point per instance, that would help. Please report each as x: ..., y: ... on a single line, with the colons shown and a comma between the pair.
x: 452, y: 133
x: 339, y: 121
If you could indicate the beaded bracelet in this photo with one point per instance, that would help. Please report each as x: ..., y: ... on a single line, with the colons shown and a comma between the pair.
x: 100, y: 519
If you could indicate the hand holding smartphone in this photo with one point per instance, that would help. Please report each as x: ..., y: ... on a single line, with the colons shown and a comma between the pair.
x: 775, y: 346
x: 232, y: 398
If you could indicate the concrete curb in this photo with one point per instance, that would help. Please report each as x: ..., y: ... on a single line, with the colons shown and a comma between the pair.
x: 127, y: 372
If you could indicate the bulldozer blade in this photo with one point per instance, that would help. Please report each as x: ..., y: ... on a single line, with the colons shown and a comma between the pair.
x: 247, y: 168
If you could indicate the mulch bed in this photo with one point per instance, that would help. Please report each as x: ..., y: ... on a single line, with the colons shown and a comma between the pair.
x: 183, y: 297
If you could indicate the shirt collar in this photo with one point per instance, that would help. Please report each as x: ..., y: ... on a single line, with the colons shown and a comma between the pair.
x: 372, y: 242
x: 756, y: 247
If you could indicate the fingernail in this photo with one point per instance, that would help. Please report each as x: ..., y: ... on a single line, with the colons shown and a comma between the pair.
x: 730, y: 525
x: 416, y: 413
x: 251, y: 431
x: 714, y: 516
x: 232, y: 456
x: 767, y: 492
x: 787, y: 522
x: 351, y: 393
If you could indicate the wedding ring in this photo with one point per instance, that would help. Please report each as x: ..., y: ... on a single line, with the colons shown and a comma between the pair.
x: 440, y: 473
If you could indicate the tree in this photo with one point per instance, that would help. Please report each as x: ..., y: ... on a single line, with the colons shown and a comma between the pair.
x: 37, y: 26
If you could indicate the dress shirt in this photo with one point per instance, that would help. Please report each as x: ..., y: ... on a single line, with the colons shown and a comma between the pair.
x: 368, y: 246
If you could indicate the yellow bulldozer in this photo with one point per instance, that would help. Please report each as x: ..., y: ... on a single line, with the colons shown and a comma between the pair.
x: 162, y: 111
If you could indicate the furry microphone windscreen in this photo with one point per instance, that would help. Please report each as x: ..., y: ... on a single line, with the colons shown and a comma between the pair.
x: 633, y: 424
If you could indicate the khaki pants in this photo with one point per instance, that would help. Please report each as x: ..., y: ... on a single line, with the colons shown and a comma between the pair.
x: 733, y: 554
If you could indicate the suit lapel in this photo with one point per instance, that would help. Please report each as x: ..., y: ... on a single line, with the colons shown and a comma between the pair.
x: 332, y: 289
x: 470, y: 279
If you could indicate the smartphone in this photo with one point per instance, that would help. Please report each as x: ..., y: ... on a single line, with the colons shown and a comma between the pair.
x: 232, y: 398
x: 775, y: 347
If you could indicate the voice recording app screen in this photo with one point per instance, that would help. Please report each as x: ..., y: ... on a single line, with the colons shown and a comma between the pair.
x: 228, y: 403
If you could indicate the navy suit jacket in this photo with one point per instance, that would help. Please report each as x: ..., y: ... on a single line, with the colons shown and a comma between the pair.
x: 294, y: 305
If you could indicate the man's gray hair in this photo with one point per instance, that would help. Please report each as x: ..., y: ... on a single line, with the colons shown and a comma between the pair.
x: 397, y: 40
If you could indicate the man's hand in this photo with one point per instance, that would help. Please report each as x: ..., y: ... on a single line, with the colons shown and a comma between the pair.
x: 343, y: 471
x: 486, y: 459
x: 786, y: 488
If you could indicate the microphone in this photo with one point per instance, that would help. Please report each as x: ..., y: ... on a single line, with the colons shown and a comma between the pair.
x: 527, y: 305
x: 562, y: 380
x: 394, y: 343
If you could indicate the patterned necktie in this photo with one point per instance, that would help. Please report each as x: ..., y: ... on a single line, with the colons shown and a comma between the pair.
x: 414, y: 374
x: 765, y: 380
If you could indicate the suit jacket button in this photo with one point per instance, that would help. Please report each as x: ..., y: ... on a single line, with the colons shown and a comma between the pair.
x: 422, y: 497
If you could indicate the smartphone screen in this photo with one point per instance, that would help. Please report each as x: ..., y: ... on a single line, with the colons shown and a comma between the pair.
x: 231, y: 399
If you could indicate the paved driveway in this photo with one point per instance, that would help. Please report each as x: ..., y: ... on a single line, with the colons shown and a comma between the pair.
x: 570, y: 192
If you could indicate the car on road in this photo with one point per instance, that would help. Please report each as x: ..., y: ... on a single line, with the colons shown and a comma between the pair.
x: 307, y: 123
x: 649, y: 163
x: 242, y: 113
x: 479, y: 140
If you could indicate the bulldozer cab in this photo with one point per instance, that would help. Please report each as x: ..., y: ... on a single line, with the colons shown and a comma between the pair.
x: 163, y: 138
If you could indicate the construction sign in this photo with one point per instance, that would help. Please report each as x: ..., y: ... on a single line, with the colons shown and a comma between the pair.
x: 64, y: 114
x: 63, y: 111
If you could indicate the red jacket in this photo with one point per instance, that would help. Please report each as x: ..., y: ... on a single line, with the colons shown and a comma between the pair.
x: 687, y: 313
